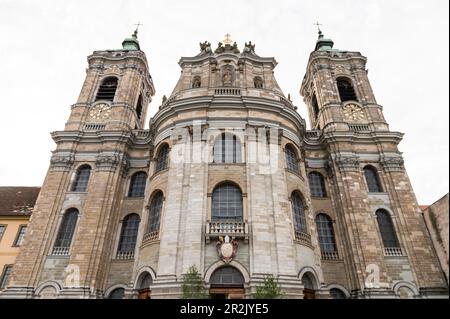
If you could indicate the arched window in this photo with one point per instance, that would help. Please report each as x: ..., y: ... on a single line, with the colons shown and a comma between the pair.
x: 317, y: 185
x: 346, y: 91
x: 336, y: 293
x: 258, y: 82
x: 137, y: 184
x: 65, y: 232
x: 118, y: 293
x: 298, y: 210
x: 227, y: 202
x: 81, y: 179
x: 291, y: 158
x: 315, y: 106
x: 227, y: 149
x: 227, y: 276
x: 139, y: 107
x: 107, y: 89
x: 327, y: 240
x: 196, y: 82
x: 387, y: 229
x: 372, y: 180
x: 128, y: 234
x: 154, y: 215
x: 162, y: 158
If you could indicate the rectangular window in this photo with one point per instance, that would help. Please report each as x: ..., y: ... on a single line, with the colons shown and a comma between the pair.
x: 2, y: 231
x: 20, y: 235
x: 4, y: 280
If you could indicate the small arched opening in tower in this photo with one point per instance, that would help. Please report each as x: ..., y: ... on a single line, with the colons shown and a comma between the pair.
x: 346, y: 90
x: 139, y: 107
x: 107, y: 89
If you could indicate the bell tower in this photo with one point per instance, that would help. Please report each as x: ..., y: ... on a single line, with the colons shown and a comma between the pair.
x: 116, y: 92
x: 89, y: 170
x: 337, y: 91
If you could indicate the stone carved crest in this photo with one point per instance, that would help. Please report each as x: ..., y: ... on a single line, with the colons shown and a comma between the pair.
x: 226, y: 248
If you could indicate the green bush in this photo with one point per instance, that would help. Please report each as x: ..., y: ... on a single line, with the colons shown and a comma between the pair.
x: 193, y: 285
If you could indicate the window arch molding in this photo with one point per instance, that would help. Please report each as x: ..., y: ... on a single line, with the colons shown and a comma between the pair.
x: 218, y: 264
x: 108, y: 291
x: 387, y: 232
x: 141, y: 273
x: 407, y: 284
x: 309, y: 271
x: 340, y: 287
x: 46, y: 284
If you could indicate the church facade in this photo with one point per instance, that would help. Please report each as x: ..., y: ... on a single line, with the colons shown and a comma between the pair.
x: 227, y: 179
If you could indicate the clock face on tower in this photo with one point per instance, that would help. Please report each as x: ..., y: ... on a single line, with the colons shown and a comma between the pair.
x: 99, y: 112
x: 353, y: 112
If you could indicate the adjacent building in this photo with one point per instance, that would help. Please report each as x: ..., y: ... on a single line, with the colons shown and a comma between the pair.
x: 16, y: 205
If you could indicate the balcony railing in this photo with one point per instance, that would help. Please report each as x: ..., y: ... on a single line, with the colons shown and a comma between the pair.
x: 141, y: 133
x: 227, y: 91
x: 60, y: 251
x: 150, y: 237
x: 314, y: 134
x: 393, y: 251
x: 123, y: 255
x: 303, y: 238
x: 223, y: 228
x: 330, y: 255
x: 94, y: 127
x: 359, y: 127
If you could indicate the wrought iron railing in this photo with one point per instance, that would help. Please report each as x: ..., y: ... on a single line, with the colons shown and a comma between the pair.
x: 60, y: 251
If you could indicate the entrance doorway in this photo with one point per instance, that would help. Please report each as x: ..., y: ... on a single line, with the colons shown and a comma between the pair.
x: 227, y: 283
x: 308, y: 286
x: 227, y: 293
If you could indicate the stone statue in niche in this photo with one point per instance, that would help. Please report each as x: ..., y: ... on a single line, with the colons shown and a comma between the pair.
x: 258, y: 82
x: 196, y: 82
x: 227, y: 76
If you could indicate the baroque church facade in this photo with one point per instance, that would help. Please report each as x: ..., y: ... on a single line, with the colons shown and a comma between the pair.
x: 226, y: 178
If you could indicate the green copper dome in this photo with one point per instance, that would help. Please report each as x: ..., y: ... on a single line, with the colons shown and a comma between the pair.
x: 131, y: 43
x: 323, y: 44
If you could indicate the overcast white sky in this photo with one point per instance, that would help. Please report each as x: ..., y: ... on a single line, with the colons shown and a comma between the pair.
x: 44, y: 45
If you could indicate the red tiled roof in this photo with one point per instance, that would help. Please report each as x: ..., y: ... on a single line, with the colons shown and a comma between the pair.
x: 17, y: 201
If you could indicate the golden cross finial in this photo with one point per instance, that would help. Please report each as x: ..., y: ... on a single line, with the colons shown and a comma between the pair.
x: 137, y: 25
x: 318, y: 26
x: 227, y: 39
